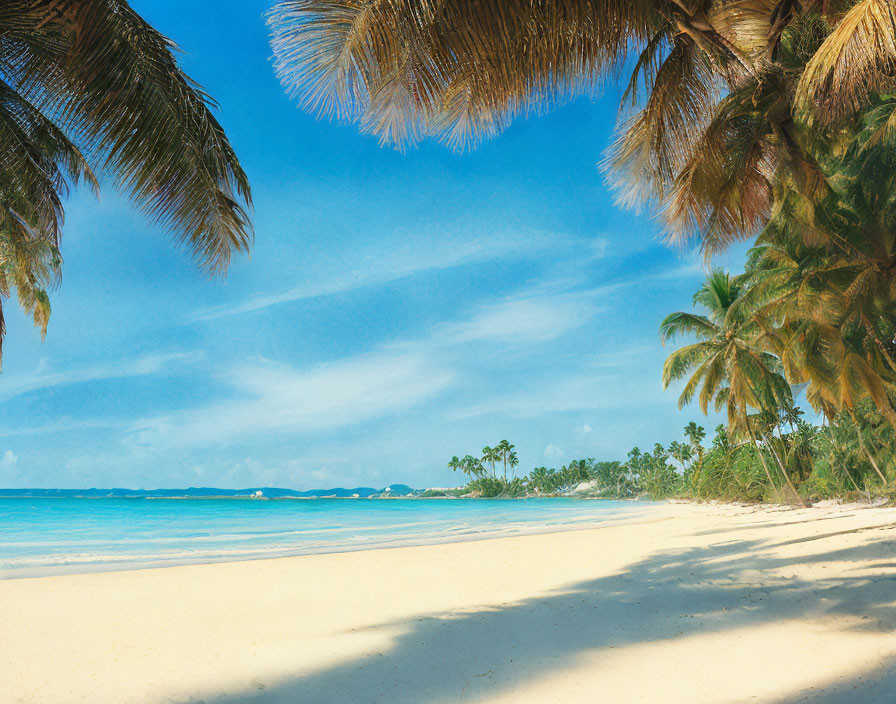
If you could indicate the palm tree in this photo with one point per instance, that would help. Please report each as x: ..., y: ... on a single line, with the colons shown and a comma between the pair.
x: 826, y: 272
x: 471, y: 466
x: 542, y: 479
x: 455, y: 464
x: 727, y: 363
x: 695, y: 434
x: 513, y: 460
x: 89, y: 85
x: 683, y: 454
x: 504, y: 450
x: 491, y: 455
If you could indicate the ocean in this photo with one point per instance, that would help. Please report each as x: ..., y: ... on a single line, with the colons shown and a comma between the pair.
x: 44, y: 536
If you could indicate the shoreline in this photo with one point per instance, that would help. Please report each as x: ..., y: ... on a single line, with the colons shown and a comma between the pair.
x: 538, y: 618
x: 273, y: 553
x: 287, y: 553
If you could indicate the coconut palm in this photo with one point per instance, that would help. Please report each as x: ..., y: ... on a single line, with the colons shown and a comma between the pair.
x: 683, y: 454
x: 472, y: 466
x: 727, y: 363
x: 89, y: 86
x: 695, y: 434
x: 543, y: 480
x: 826, y: 272
x: 491, y: 455
x: 504, y: 450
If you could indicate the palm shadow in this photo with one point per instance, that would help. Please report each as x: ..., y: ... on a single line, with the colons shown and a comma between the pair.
x: 469, y: 656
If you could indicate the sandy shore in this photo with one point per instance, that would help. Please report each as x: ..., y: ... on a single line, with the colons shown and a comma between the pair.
x: 692, y: 604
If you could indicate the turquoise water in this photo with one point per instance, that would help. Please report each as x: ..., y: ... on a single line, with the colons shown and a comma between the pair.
x: 54, y: 536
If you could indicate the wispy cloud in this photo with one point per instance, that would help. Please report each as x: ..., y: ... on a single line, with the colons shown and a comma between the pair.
x: 522, y: 319
x: 384, y: 265
x: 392, y: 378
x: 276, y: 397
x: 576, y: 390
x: 64, y: 425
x: 45, y: 378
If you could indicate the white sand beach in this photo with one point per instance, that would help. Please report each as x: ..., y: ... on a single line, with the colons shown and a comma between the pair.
x: 692, y: 604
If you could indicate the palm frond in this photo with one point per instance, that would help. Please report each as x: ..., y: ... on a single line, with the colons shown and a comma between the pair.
x: 461, y: 70
x: 679, y: 362
x: 655, y: 144
x: 109, y: 79
x: 686, y: 324
x: 853, y: 64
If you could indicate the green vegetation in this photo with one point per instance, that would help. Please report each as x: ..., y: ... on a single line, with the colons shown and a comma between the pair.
x: 90, y: 86
x: 852, y: 456
x: 811, y: 324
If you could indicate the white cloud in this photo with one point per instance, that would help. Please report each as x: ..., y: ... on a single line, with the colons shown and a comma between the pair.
x: 276, y: 397
x: 578, y: 389
x: 64, y: 425
x: 390, y: 379
x: 41, y: 378
x: 522, y: 320
x: 434, y: 252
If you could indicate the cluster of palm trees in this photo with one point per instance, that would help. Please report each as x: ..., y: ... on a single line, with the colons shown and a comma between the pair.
x: 475, y: 467
x: 850, y: 456
x: 770, y: 332
x: 661, y: 473
x: 540, y: 481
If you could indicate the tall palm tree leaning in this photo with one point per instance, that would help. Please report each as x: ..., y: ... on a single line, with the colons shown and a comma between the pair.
x: 728, y: 363
x: 89, y: 86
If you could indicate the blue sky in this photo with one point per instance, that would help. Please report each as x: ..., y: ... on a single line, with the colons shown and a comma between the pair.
x: 396, y: 309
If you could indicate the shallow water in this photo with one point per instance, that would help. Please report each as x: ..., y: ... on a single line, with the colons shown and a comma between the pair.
x: 56, y: 536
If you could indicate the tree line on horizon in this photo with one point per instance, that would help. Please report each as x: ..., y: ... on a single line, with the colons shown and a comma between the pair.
x: 807, y: 462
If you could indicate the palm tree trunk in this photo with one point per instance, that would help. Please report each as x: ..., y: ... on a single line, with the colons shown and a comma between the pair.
x: 865, y: 448
x: 759, y: 452
x: 699, y: 466
x: 870, y: 457
x: 790, y: 485
x: 840, y: 464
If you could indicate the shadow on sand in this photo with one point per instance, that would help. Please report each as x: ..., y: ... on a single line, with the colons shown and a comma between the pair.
x: 469, y: 656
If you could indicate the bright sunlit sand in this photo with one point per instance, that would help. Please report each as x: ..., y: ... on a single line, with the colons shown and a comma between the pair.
x: 687, y: 604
